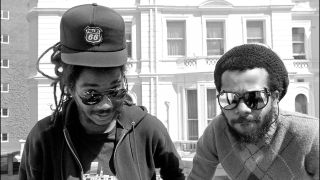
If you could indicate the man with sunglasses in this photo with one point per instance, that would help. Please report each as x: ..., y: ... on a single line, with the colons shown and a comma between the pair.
x: 95, y: 132
x: 252, y: 138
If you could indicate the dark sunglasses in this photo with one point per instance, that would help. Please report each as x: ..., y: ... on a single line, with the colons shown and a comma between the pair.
x: 255, y: 100
x: 92, y: 97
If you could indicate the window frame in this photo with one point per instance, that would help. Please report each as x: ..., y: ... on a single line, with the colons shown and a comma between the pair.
x: 205, y: 29
x: 266, y: 27
x: 2, y: 137
x: 257, y: 38
x: 215, y: 105
x: 132, y: 20
x: 306, y: 24
x: 2, y: 115
x: 2, y: 39
x: 2, y: 14
x: 2, y: 88
x: 2, y: 66
x: 300, y: 43
x: 129, y: 41
x: 187, y: 114
x: 165, y: 37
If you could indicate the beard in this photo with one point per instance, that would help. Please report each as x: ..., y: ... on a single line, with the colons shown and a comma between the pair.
x: 260, y: 134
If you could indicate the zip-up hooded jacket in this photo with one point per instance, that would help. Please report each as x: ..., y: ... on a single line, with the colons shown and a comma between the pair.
x: 142, y: 145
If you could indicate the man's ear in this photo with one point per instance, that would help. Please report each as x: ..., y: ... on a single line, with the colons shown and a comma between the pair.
x: 275, y: 95
x: 67, y: 90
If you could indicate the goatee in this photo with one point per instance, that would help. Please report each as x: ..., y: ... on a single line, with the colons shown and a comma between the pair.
x: 260, y: 134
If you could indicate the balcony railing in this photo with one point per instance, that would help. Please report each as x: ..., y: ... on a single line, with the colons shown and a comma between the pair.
x: 204, y: 64
x: 297, y: 66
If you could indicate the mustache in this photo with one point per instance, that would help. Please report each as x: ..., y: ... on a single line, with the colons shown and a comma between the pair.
x: 243, y: 120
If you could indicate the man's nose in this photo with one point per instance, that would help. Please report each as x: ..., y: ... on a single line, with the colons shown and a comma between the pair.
x: 105, y: 103
x: 243, y: 109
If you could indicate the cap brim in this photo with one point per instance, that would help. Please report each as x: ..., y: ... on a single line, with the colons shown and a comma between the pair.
x: 96, y: 59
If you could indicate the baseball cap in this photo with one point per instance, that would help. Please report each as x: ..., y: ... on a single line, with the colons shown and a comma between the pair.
x: 93, y: 35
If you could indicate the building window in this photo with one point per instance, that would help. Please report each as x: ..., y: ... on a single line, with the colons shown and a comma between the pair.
x: 129, y: 38
x: 176, y: 38
x: 215, y: 38
x: 4, y: 63
x: 255, y: 32
x: 298, y: 44
x: 4, y: 112
x: 5, y: 87
x: 4, y: 14
x: 4, y: 137
x: 192, y: 107
x: 211, y: 104
x: 4, y: 39
x: 301, y: 104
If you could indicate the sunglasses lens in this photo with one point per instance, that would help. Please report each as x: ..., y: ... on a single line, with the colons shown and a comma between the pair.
x: 253, y: 99
x: 228, y: 100
x: 91, y: 99
x: 256, y: 99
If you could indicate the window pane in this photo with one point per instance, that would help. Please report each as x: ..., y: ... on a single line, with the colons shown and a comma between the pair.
x: 128, y: 34
x: 5, y: 112
x: 215, y: 30
x: 5, y: 62
x: 193, y: 130
x: 4, y: 87
x: 255, y: 29
x: 215, y: 47
x: 301, y: 103
x: 129, y: 49
x: 298, y: 34
x: 211, y: 103
x: 176, y: 29
x: 255, y: 32
x: 192, y: 114
x: 175, y: 47
x: 4, y: 137
x: 298, y: 48
x: 215, y: 38
x: 5, y: 38
x: 176, y: 38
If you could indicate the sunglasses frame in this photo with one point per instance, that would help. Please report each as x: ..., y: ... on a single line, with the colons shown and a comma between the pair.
x: 106, y: 93
x: 265, y: 90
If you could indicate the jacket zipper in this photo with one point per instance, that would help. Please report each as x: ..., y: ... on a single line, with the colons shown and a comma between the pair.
x: 115, y: 154
x: 66, y: 135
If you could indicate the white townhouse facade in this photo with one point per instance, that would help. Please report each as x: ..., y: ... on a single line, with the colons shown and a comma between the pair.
x: 173, y: 46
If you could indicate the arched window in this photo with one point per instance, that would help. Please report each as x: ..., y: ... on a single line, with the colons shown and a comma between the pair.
x: 301, y: 104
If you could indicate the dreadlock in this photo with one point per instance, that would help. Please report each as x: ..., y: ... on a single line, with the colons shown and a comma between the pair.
x: 66, y: 75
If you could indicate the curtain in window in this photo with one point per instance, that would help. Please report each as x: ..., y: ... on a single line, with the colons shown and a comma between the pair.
x: 176, y: 38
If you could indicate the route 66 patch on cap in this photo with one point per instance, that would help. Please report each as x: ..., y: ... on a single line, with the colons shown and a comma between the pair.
x: 93, y: 35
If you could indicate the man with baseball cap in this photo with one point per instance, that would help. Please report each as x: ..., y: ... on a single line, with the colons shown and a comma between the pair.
x: 252, y: 138
x: 95, y: 132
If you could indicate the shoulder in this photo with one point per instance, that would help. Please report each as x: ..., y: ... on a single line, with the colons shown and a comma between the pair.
x: 217, y: 125
x: 300, y: 125
x: 42, y: 126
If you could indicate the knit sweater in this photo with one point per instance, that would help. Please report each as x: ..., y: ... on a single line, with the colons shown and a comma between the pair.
x: 292, y: 152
